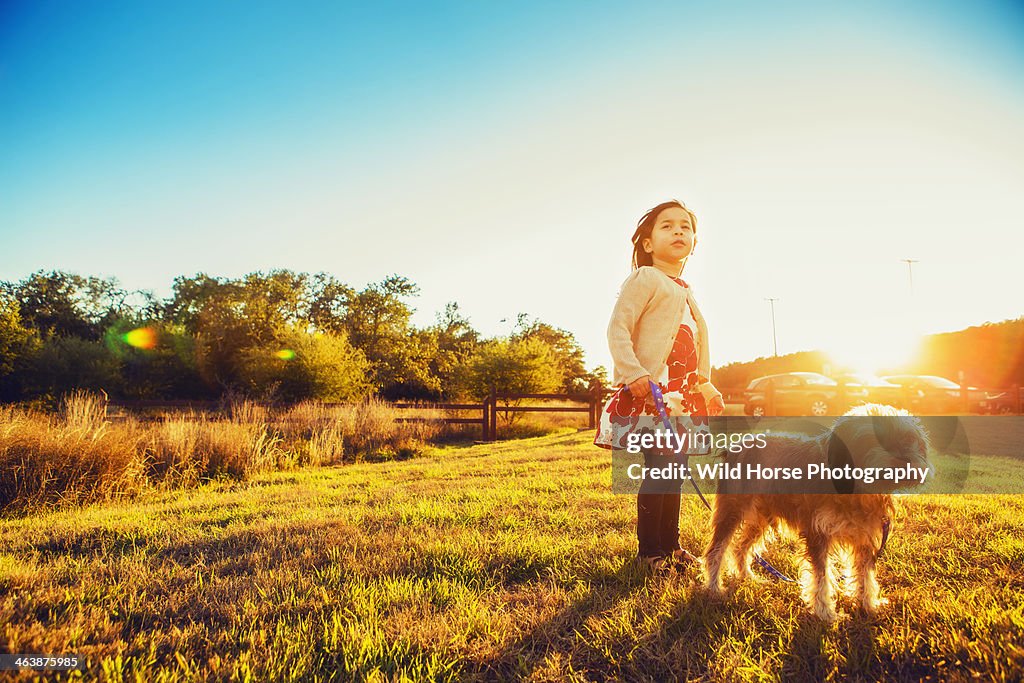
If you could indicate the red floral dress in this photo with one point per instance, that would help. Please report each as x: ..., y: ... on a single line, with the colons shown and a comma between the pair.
x: 678, y: 382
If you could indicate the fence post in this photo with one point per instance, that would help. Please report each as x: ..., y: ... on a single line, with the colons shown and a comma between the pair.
x: 595, y: 405
x: 485, y: 422
x: 494, y: 415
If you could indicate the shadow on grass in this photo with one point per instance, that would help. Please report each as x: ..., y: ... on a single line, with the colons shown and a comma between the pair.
x: 806, y: 658
x: 567, y: 634
x: 855, y: 655
x: 277, y: 541
x: 558, y: 633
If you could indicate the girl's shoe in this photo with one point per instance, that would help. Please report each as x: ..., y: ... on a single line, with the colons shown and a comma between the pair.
x: 657, y: 564
x: 682, y: 558
x: 676, y: 562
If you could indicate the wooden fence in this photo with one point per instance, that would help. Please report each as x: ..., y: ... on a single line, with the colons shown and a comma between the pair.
x: 593, y: 400
x: 495, y: 402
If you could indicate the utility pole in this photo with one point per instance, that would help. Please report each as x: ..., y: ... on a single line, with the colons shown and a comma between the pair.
x: 913, y: 319
x: 775, y: 343
x: 910, y: 272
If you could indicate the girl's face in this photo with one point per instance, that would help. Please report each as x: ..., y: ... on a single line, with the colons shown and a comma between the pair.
x: 672, y: 237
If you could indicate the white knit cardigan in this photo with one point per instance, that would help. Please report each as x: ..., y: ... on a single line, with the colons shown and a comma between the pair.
x: 644, y: 324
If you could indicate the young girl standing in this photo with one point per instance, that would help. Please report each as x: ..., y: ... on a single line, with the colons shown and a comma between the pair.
x: 657, y: 333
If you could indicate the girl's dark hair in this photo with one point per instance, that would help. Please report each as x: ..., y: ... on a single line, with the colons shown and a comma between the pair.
x: 646, y: 225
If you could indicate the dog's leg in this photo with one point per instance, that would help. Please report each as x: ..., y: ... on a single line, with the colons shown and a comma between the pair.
x: 751, y: 533
x: 820, y: 594
x: 726, y: 519
x: 867, y: 583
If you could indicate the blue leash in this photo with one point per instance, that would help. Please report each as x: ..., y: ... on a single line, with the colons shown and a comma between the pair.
x: 659, y: 401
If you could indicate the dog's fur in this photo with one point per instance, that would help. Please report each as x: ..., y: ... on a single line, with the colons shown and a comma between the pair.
x: 847, y: 523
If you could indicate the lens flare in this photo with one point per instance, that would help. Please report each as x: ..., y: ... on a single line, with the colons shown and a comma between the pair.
x: 140, y: 338
x: 285, y: 354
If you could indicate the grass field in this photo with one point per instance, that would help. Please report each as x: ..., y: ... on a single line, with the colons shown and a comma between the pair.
x: 497, y: 561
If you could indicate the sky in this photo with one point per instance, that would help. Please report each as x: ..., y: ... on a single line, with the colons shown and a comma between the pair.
x: 500, y: 155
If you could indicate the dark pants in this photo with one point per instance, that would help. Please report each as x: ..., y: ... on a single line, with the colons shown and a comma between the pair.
x: 657, y: 508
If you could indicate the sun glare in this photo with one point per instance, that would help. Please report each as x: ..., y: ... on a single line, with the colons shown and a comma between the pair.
x: 876, y: 355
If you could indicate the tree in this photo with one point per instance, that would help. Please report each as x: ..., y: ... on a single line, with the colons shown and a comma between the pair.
x: 518, y: 366
x: 63, y: 363
x: 408, y: 364
x: 567, y: 352
x: 17, y: 344
x: 221, y: 335
x: 230, y: 318
x: 191, y: 295
x: 163, y: 366
x: 328, y: 303
x: 302, y: 366
x: 377, y: 322
x: 60, y: 304
x: 455, y: 342
x: 273, y: 302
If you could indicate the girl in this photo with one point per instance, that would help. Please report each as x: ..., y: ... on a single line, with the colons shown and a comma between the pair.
x: 657, y: 333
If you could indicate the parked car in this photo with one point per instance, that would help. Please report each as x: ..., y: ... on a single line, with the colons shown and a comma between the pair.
x: 998, y: 403
x: 881, y: 391
x: 799, y: 393
x: 939, y: 396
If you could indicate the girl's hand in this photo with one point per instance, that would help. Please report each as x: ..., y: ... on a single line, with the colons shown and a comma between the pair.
x: 713, y: 400
x: 641, y: 388
x: 716, y: 406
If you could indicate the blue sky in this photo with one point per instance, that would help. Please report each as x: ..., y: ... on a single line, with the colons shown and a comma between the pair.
x: 499, y: 154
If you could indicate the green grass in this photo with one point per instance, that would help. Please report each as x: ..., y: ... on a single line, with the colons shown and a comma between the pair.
x: 499, y: 561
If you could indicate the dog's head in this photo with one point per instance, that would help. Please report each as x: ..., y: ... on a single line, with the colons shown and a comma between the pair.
x: 876, y: 435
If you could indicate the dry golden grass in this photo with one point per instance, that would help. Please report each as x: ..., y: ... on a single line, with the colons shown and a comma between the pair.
x: 82, y: 454
x: 84, y: 409
x: 70, y: 457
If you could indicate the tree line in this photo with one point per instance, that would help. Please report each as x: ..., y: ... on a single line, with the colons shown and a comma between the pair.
x: 278, y: 336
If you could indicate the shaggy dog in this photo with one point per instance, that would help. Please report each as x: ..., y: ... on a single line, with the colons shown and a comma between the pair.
x: 828, y: 515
